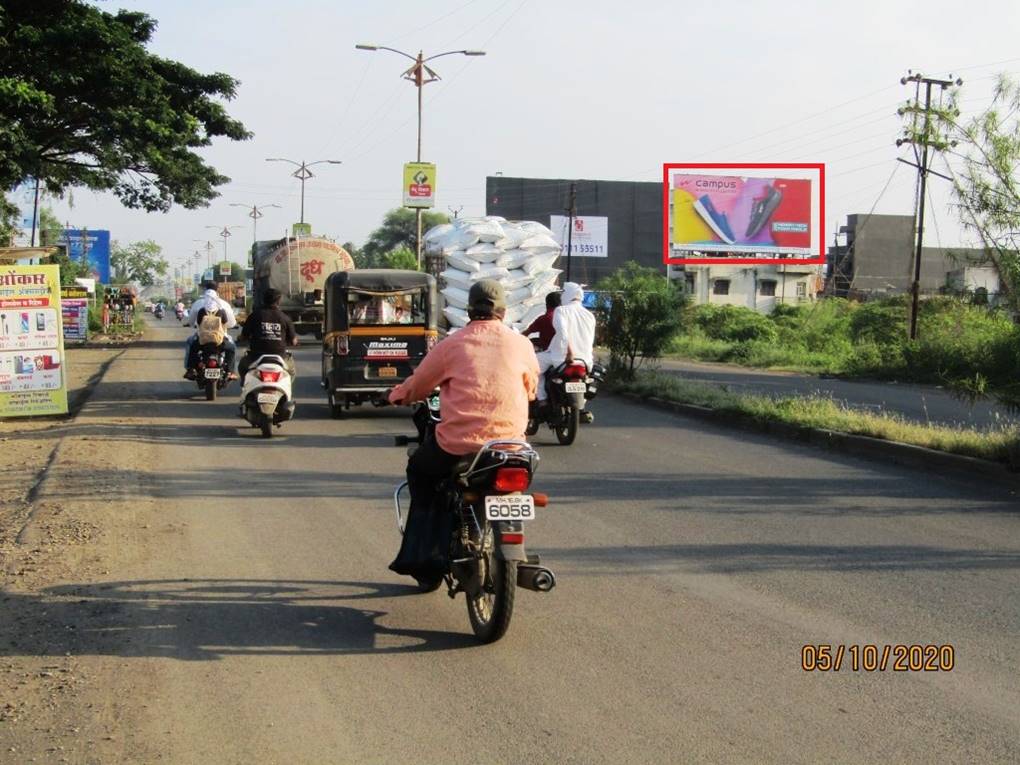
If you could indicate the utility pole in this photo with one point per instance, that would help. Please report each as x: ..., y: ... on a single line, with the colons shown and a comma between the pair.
x: 35, y: 213
x: 455, y: 212
x: 925, y: 139
x: 571, y: 212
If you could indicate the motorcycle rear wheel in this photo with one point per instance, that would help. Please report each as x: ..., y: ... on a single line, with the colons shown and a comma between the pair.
x: 210, y: 390
x: 568, y: 433
x: 490, y: 612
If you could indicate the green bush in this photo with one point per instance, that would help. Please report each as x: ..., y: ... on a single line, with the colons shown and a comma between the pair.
x: 735, y: 324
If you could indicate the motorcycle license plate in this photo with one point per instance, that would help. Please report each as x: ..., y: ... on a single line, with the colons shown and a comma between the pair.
x: 268, y: 398
x: 387, y: 371
x: 510, y: 507
x: 212, y: 374
x: 575, y: 387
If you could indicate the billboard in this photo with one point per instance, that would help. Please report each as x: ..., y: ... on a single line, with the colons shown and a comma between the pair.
x: 759, y: 215
x: 32, y: 378
x: 93, y: 245
x: 419, y: 184
x: 589, y: 237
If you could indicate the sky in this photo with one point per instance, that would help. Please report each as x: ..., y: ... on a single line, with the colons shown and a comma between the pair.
x: 567, y: 89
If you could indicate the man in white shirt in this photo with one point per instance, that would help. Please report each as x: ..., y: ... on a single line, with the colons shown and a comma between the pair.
x: 210, y: 302
x: 573, y: 330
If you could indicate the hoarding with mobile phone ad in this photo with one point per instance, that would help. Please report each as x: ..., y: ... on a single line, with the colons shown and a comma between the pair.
x: 32, y: 379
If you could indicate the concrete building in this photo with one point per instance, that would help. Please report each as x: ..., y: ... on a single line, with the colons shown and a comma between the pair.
x: 760, y: 288
x: 878, y: 258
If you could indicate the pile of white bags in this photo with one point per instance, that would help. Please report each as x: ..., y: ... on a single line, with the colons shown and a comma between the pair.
x: 519, y: 254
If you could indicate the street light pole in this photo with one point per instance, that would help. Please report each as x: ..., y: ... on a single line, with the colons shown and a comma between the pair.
x: 255, y: 212
x: 417, y: 74
x: 225, y: 232
x: 303, y: 174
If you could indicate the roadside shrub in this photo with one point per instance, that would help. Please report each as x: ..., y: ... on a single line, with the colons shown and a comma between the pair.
x: 734, y: 323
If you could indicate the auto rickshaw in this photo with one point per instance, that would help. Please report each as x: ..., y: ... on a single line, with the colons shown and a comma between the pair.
x: 377, y: 326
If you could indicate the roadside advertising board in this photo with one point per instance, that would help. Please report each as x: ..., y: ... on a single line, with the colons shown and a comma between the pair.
x: 590, y: 237
x: 728, y: 213
x: 301, y: 229
x: 74, y: 312
x: 419, y: 184
x: 225, y: 268
x: 92, y: 245
x: 32, y: 380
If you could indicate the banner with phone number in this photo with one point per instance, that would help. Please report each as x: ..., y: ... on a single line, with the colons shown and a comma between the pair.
x: 32, y: 366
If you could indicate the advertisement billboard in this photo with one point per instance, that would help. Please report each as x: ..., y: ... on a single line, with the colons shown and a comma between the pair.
x: 32, y: 378
x: 419, y: 184
x: 94, y: 245
x: 589, y: 236
x: 743, y: 214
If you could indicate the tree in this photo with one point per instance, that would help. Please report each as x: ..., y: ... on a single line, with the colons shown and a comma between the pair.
x: 987, y: 184
x: 640, y: 313
x: 357, y: 254
x: 398, y: 230
x: 140, y: 262
x: 51, y: 230
x: 401, y: 258
x: 9, y: 216
x: 83, y: 103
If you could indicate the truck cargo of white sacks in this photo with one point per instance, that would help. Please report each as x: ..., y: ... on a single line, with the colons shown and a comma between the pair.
x: 519, y: 254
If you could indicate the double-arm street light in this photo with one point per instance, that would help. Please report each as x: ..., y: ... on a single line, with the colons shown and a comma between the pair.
x: 224, y: 232
x: 303, y: 174
x: 420, y: 75
x: 254, y: 212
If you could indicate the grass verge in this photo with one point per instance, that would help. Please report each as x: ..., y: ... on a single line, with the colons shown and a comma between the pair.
x: 996, y: 444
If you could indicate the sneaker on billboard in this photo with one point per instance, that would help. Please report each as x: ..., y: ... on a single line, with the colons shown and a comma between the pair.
x: 762, y: 211
x: 716, y: 220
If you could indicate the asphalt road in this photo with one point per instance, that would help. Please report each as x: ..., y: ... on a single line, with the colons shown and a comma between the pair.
x: 258, y: 621
x: 920, y: 403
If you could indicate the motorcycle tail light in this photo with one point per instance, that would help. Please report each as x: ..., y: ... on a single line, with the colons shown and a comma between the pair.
x: 575, y: 371
x: 511, y: 479
x: 266, y: 376
x: 512, y: 538
x: 211, y: 363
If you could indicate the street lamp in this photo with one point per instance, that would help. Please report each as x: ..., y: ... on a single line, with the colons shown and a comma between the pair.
x: 254, y: 212
x: 225, y: 232
x: 303, y: 174
x: 420, y: 75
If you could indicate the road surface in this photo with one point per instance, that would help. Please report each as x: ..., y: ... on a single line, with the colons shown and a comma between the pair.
x: 232, y: 603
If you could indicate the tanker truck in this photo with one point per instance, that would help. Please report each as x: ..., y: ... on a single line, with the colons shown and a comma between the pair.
x: 298, y: 268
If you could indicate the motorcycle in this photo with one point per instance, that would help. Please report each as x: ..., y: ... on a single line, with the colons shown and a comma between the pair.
x: 179, y: 313
x: 266, y: 398
x: 488, y: 498
x: 211, y: 373
x: 158, y: 312
x: 569, y: 387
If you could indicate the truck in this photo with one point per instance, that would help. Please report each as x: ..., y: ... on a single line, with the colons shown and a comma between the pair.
x: 298, y: 267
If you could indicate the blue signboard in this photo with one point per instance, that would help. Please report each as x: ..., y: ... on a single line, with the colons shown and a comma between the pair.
x: 95, y: 244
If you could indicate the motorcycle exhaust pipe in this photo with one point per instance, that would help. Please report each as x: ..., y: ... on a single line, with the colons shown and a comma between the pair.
x: 535, y: 578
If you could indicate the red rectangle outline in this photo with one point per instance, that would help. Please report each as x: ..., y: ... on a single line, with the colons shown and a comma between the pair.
x: 818, y: 260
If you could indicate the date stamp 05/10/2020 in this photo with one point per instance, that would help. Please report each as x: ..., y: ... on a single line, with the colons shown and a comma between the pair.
x: 870, y: 657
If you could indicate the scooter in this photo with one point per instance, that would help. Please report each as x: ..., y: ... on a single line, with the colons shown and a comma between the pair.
x: 266, y: 398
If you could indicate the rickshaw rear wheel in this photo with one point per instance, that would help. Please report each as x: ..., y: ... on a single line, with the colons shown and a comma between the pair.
x: 336, y: 408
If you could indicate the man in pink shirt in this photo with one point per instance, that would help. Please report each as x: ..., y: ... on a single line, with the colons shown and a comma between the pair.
x: 486, y: 374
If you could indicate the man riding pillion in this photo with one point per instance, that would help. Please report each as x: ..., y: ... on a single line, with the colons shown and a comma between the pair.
x: 486, y: 375
x: 573, y: 335
x: 268, y: 330
x: 543, y: 325
x: 210, y: 303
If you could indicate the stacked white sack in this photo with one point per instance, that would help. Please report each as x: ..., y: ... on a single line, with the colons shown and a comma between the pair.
x: 519, y: 254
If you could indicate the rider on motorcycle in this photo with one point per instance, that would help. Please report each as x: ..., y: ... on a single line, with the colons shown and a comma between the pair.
x: 543, y: 325
x: 573, y: 333
x: 210, y: 302
x: 268, y: 330
x: 486, y: 374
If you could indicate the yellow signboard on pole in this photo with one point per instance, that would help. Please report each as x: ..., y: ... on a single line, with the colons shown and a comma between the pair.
x: 33, y: 379
x: 419, y: 184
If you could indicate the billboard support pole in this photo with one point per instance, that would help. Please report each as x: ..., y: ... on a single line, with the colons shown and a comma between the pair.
x: 35, y: 212
x: 571, y: 211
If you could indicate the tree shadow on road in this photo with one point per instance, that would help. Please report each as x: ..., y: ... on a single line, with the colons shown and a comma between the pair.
x: 202, y: 620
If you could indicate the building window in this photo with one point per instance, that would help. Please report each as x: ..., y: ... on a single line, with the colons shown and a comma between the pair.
x: 801, y: 290
x: 721, y: 287
x: 767, y: 287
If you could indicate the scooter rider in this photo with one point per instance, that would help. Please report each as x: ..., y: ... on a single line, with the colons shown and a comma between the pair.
x: 210, y: 302
x: 573, y: 333
x: 486, y: 374
x: 268, y: 330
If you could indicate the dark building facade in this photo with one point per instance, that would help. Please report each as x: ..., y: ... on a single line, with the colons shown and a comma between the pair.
x: 878, y: 257
x: 634, y: 210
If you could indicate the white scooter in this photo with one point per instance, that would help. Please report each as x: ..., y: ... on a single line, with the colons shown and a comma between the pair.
x: 266, y: 394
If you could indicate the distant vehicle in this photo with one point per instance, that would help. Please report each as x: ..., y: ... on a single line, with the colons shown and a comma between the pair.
x: 298, y: 268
